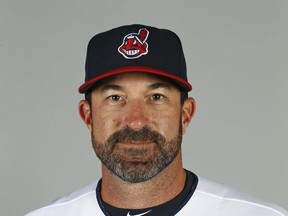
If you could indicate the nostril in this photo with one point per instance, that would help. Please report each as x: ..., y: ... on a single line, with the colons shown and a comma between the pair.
x: 136, y: 119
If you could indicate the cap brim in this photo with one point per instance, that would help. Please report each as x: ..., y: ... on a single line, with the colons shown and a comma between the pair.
x: 183, y: 84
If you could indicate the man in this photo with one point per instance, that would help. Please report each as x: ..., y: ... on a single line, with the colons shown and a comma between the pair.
x: 137, y: 109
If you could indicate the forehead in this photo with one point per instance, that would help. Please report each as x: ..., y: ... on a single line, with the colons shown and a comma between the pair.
x: 135, y: 78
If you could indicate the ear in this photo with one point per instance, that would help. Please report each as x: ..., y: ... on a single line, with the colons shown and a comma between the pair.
x: 85, y: 113
x: 188, y: 110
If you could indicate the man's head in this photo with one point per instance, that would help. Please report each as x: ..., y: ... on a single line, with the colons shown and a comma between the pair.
x: 136, y: 110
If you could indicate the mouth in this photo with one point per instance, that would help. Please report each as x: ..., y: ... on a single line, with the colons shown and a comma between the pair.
x: 136, y: 143
x: 135, y: 151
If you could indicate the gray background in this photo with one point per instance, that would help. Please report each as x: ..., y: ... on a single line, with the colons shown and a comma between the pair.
x: 236, y: 53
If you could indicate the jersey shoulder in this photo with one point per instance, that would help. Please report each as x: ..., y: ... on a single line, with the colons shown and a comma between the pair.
x: 220, y: 199
x: 82, y: 199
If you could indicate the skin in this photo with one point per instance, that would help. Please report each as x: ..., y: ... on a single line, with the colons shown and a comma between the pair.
x: 138, y: 100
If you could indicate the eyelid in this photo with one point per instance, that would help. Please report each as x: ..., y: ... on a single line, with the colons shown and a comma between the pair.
x: 157, y: 97
x: 112, y: 96
x: 115, y: 95
x: 158, y: 94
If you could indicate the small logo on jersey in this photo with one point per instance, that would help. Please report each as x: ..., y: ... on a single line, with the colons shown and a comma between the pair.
x: 144, y: 213
x: 134, y: 44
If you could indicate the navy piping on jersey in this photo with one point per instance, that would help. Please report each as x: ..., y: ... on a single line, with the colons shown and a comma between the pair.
x: 98, y: 197
x: 183, y: 203
x: 191, y: 192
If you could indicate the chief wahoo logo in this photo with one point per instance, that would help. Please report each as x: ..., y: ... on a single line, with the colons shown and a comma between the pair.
x: 134, y: 44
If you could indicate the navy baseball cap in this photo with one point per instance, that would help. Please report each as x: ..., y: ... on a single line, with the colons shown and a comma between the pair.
x: 135, y: 48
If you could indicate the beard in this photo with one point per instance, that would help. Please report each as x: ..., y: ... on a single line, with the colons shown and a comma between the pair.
x: 137, y: 163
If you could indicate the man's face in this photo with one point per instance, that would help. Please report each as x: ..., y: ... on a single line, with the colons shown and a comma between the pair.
x: 136, y: 125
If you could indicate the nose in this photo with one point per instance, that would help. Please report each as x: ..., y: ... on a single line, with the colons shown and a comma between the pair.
x: 136, y: 115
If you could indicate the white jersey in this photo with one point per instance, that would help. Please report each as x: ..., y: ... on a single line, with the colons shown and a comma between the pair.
x: 209, y: 198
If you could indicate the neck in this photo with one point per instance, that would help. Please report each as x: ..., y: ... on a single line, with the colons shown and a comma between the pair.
x: 158, y: 190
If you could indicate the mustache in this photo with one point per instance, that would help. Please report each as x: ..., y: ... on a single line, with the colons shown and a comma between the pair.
x: 127, y: 134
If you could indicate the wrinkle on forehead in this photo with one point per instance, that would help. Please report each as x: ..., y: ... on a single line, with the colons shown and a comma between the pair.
x: 113, y: 82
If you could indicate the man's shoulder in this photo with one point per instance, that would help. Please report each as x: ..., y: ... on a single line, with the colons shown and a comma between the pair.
x: 222, y: 198
x: 84, y: 196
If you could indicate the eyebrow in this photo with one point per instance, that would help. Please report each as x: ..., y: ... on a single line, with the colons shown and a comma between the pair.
x: 152, y: 86
x: 158, y: 85
x: 110, y: 87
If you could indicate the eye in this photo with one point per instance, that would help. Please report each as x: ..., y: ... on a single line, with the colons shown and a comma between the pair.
x: 115, y: 98
x: 156, y: 97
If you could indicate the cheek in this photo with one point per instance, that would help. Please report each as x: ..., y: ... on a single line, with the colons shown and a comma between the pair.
x: 168, y: 123
x: 104, y: 125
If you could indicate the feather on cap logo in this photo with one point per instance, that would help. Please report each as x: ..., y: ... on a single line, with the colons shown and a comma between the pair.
x: 134, y: 44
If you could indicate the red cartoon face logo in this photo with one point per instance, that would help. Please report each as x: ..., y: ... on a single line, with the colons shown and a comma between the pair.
x: 134, y: 44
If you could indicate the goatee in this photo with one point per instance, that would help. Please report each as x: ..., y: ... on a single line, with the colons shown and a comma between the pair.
x: 153, y: 155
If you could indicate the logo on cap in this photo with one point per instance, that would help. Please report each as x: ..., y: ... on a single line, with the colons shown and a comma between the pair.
x: 134, y: 44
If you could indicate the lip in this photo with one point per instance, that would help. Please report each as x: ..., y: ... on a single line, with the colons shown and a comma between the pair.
x: 135, y: 143
x: 136, y: 152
